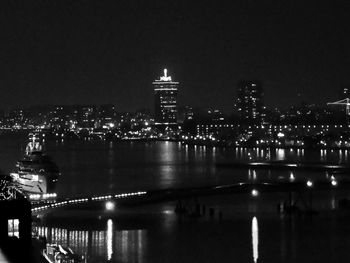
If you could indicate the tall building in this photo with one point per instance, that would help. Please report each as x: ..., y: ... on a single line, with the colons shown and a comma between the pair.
x: 165, y: 100
x: 249, y: 105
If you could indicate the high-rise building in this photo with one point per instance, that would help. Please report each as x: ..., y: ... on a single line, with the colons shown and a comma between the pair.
x: 249, y: 105
x: 165, y: 100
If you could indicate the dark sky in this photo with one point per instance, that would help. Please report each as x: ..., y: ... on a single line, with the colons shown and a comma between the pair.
x: 94, y: 52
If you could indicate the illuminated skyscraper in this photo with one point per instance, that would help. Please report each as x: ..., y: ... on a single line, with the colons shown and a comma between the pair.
x: 165, y: 100
x: 249, y: 105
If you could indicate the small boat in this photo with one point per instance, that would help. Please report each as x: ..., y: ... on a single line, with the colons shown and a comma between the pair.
x: 55, y: 253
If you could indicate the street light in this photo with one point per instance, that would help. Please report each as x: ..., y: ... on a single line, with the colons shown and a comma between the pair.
x: 334, y: 183
x: 110, y: 206
x: 309, y: 183
x: 255, y: 192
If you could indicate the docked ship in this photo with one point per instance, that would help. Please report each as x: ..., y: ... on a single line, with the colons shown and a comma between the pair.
x: 35, y: 173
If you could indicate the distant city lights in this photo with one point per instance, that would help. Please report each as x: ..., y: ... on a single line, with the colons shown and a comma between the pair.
x: 309, y: 183
x: 334, y: 183
x: 280, y: 135
x: 291, y: 177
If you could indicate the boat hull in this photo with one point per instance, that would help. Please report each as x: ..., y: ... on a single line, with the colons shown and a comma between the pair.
x: 33, y: 183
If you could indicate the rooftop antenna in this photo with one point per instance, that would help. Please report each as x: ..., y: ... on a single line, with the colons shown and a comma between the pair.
x: 165, y: 72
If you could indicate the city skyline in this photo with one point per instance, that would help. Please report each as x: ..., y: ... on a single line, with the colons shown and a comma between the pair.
x: 174, y: 131
x: 91, y: 53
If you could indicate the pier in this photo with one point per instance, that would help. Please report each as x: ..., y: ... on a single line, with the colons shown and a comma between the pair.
x: 43, y: 205
x: 282, y: 165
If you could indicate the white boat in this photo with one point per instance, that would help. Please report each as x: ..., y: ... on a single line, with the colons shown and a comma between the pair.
x: 35, y: 173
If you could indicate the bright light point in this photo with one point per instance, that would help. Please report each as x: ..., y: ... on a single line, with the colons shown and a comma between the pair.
x: 255, y: 239
x: 165, y: 77
x: 291, y: 177
x: 309, y: 183
x: 334, y: 183
x: 109, y: 239
x: 110, y: 205
x: 280, y: 135
x: 255, y: 192
x: 111, y: 125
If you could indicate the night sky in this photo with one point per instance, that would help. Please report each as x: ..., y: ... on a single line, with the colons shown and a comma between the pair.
x: 94, y: 52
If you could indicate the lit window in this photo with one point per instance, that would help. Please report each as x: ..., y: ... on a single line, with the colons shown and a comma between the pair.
x: 13, y: 227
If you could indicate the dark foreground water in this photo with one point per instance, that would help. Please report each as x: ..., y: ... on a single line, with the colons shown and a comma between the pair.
x: 249, y: 230
x: 155, y: 234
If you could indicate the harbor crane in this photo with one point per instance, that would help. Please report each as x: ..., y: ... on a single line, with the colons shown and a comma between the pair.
x: 345, y: 102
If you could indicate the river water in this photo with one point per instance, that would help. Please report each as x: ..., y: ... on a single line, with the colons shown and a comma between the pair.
x: 247, y: 230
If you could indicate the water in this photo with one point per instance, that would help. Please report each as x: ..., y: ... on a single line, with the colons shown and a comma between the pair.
x: 168, y: 238
x: 250, y: 229
x: 95, y: 167
x: 99, y: 167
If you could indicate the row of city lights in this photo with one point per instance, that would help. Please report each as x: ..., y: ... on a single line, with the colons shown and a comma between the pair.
x: 261, y: 142
x: 309, y: 184
x: 106, y: 197
x: 42, y: 196
x: 83, y: 200
x: 271, y: 126
x: 110, y: 205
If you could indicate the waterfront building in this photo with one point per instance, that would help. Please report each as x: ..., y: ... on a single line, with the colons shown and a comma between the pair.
x: 329, y: 135
x: 16, y: 118
x: 38, y: 116
x: 312, y: 114
x: 185, y: 114
x: 73, y: 116
x: 86, y: 116
x: 249, y: 105
x: 106, y: 115
x: 216, y: 115
x: 165, y: 100
x: 58, y: 117
x: 217, y: 130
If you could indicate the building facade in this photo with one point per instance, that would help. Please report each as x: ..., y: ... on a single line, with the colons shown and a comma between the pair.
x: 165, y: 100
x: 249, y: 105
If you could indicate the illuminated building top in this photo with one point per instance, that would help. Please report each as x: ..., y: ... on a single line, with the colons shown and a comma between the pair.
x: 165, y: 100
x: 165, y: 78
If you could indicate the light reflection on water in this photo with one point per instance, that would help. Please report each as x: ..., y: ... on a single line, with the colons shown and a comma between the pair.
x: 109, y: 239
x: 255, y: 239
x: 93, y: 245
x: 291, y: 176
x: 251, y: 227
x: 281, y: 154
x: 86, y: 167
